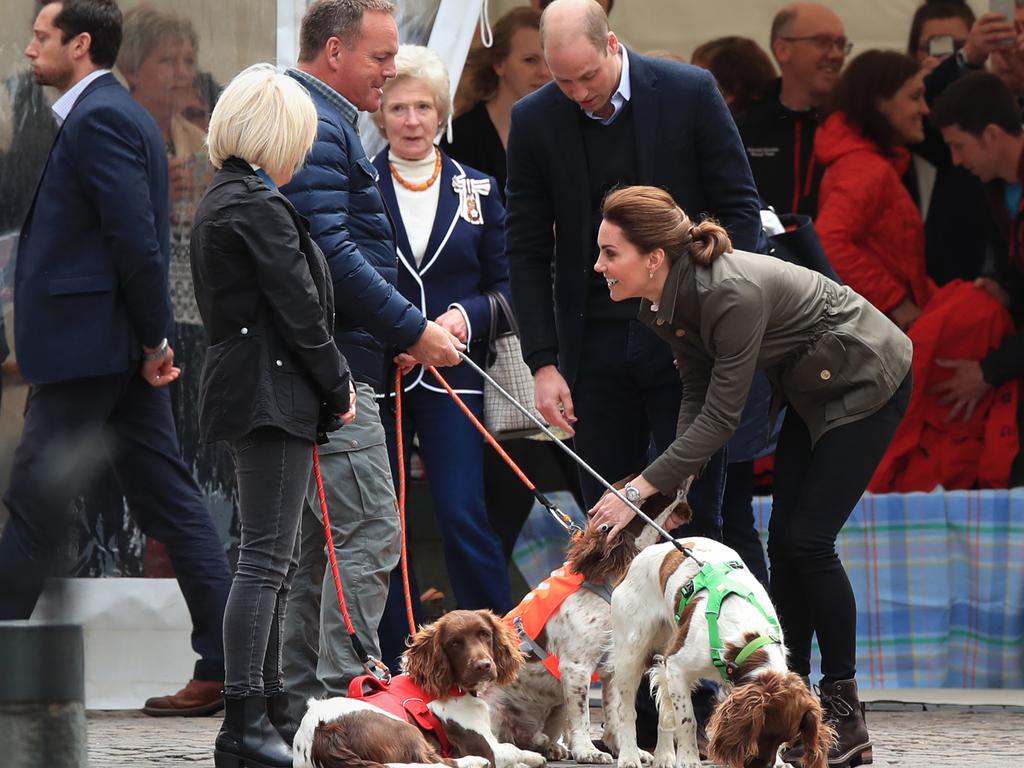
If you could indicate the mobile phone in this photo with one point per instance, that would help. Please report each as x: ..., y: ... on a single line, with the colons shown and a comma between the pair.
x: 940, y: 45
x: 1008, y: 9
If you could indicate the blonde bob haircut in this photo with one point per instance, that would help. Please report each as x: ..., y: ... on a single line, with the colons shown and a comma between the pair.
x: 416, y: 62
x: 265, y: 118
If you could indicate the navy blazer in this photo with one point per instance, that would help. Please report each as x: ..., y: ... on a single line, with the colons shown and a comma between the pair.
x: 90, y: 286
x: 686, y: 143
x: 462, y: 262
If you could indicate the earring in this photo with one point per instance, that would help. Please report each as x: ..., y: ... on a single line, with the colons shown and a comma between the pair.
x: 650, y: 275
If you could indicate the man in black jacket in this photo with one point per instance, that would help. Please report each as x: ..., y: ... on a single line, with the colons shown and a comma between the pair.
x: 980, y: 120
x: 810, y: 46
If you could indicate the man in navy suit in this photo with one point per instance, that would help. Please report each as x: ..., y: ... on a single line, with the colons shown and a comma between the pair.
x: 92, y: 308
x: 612, y: 118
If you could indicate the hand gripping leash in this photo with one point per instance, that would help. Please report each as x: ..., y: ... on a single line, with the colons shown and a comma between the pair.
x: 372, y: 665
x: 543, y: 427
x: 561, y: 517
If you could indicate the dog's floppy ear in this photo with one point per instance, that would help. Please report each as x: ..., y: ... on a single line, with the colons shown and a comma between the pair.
x: 818, y: 737
x: 504, y: 649
x: 426, y: 662
x: 736, y: 726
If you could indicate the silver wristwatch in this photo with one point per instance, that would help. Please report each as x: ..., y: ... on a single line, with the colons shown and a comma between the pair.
x: 632, y: 495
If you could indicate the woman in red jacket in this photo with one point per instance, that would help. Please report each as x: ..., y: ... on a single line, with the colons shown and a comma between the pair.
x: 868, y: 223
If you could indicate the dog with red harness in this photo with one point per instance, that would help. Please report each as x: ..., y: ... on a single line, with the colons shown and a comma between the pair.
x: 432, y: 714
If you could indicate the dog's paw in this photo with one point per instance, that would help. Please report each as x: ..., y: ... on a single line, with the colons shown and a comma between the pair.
x: 532, y: 759
x: 555, y: 750
x: 630, y: 758
x: 593, y: 756
x: 472, y: 762
x: 646, y: 757
x: 664, y: 761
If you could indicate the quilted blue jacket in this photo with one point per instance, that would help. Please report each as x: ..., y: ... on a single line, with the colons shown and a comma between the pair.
x: 337, y: 192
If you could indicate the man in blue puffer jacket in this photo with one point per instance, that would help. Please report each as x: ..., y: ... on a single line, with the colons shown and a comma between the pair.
x: 346, y: 53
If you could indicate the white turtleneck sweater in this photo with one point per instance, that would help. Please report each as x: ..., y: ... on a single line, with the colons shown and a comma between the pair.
x: 417, y: 208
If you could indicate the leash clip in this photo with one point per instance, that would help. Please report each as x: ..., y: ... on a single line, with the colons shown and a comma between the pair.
x: 378, y: 669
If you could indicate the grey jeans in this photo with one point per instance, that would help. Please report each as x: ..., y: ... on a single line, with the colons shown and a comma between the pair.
x: 318, y: 657
x: 273, y: 471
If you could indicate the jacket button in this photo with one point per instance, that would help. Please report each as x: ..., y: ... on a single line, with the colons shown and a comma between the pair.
x: 680, y: 332
x: 355, y: 443
x: 278, y: 363
x: 245, y: 331
x: 660, y: 321
x: 826, y: 375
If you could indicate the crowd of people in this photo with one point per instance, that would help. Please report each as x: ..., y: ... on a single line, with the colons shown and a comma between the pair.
x: 632, y: 207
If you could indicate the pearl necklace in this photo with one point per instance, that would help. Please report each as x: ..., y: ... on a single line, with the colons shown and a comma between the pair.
x: 426, y: 184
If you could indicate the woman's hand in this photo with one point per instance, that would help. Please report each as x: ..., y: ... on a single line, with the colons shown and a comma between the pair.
x: 454, y: 322
x: 611, y: 511
x: 350, y: 415
x: 905, y: 314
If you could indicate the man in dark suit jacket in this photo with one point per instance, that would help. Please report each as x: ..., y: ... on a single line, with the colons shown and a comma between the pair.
x: 612, y: 118
x: 93, y: 311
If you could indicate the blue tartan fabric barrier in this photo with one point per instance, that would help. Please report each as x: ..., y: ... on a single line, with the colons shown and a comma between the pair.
x: 939, y: 579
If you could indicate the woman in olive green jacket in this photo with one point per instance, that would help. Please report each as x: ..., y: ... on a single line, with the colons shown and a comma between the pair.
x: 841, y: 366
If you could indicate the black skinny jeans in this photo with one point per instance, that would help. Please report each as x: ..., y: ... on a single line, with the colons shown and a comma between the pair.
x: 816, y: 489
x: 273, y: 470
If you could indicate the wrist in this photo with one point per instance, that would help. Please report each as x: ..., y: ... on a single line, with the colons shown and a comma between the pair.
x: 633, y: 494
x: 968, y: 58
x: 158, y: 352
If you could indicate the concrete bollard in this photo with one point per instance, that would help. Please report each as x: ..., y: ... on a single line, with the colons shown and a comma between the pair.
x: 42, y: 695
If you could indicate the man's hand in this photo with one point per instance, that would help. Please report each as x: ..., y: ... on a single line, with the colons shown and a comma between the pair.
x: 350, y: 415
x: 989, y: 33
x: 405, y: 362
x: 552, y: 398
x: 963, y: 389
x: 905, y: 314
x: 454, y: 322
x: 993, y: 289
x: 160, y: 372
x: 437, y: 346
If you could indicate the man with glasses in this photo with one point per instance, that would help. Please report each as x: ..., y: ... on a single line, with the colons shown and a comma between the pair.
x: 810, y: 46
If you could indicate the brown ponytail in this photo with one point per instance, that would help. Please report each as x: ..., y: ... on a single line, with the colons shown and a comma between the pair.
x: 650, y: 218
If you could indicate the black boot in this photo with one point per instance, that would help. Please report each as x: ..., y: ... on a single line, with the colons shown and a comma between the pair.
x: 247, y: 739
x: 843, y: 711
x: 279, y: 712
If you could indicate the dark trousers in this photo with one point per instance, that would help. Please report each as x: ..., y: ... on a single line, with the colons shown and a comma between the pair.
x: 626, y: 397
x: 816, y: 489
x: 73, y: 429
x: 453, y: 457
x: 273, y: 470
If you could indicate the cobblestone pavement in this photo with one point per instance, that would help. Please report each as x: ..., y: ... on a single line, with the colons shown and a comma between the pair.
x: 908, y: 739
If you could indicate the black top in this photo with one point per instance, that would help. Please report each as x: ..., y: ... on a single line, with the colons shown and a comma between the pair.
x: 611, y: 163
x: 267, y: 303
x: 780, y: 148
x: 476, y: 143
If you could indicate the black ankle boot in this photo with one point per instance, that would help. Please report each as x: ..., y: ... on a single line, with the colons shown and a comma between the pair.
x: 247, y: 739
x: 843, y: 712
x: 279, y: 712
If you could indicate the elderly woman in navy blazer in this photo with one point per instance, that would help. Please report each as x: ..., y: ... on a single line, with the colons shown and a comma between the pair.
x: 450, y: 228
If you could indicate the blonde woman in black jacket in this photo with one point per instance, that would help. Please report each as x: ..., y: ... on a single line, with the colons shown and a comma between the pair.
x: 273, y: 377
x: 841, y: 365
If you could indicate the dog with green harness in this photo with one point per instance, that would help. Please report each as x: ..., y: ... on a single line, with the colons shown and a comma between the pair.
x: 699, y: 613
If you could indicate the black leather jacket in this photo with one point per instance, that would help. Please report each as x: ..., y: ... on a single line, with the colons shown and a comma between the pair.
x: 268, y: 306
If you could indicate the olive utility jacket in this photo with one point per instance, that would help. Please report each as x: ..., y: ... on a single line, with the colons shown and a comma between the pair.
x: 828, y: 352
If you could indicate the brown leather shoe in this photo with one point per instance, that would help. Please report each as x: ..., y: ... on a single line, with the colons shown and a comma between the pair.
x: 197, y: 698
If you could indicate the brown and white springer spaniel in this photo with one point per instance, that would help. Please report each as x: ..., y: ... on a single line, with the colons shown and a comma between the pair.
x: 462, y: 653
x: 766, y: 706
x: 536, y: 709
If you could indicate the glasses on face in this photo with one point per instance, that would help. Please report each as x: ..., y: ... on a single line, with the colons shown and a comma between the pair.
x: 824, y: 42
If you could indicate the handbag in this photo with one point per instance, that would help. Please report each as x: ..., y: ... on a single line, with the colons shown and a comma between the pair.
x: 504, y: 363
